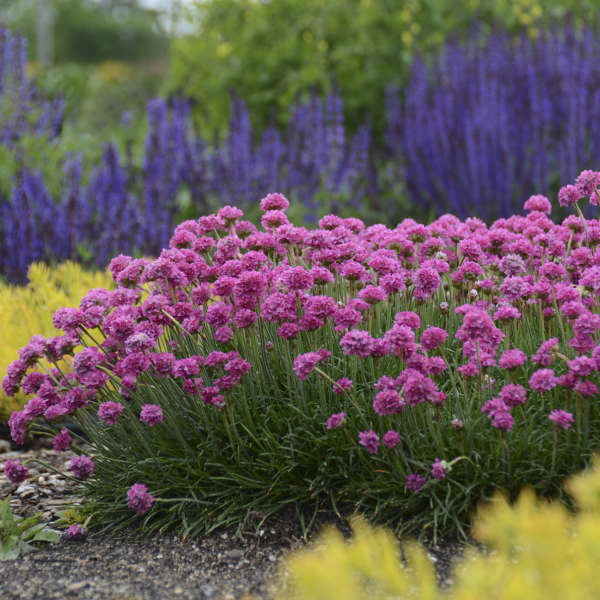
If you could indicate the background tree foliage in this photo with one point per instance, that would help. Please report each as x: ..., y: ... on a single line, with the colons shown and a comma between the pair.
x: 269, y: 52
x: 87, y: 31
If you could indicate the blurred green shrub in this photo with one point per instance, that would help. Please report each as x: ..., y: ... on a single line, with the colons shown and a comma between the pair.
x: 88, y: 31
x: 269, y: 52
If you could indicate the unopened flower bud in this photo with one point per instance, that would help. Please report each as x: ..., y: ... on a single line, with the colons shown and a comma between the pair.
x: 473, y: 294
x: 457, y: 424
x: 269, y: 346
x: 444, y: 308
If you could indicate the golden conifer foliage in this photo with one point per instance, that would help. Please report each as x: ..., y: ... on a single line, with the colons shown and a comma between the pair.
x: 26, y: 311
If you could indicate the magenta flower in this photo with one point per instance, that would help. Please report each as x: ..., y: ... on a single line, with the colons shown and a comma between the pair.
x: 511, y: 359
x: 414, y: 482
x: 586, y: 183
x: 223, y: 334
x: 274, y: 202
x: 369, y: 440
x: 288, y: 331
x: 15, y: 471
x: 391, y: 439
x: 426, y: 282
x: 336, y: 420
x: 342, y: 385
x: 296, y: 279
x: 539, y: 203
x: 82, y: 466
x: 513, y: 394
x: 75, y: 533
x: 432, y: 338
x: 439, y: 469
x: 388, y: 402
x: 61, y: 441
x: 109, y: 412
x: 151, y: 414
x: 507, y: 312
x: 138, y: 498
x: 230, y: 214
x: 561, y: 418
x: 304, y: 364
x: 502, y: 420
x: 543, y: 380
x: 569, y: 194
x: 358, y: 342
x: 372, y: 294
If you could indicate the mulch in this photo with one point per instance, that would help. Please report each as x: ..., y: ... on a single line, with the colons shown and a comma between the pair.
x: 219, y: 566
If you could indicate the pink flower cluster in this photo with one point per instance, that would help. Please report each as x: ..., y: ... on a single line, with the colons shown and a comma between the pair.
x: 329, y: 298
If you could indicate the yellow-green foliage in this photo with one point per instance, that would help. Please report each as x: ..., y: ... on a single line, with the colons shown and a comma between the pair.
x: 538, y: 551
x: 25, y: 311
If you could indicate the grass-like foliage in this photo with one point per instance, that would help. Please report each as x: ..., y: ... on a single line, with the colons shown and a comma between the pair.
x: 403, y: 373
x: 536, y: 546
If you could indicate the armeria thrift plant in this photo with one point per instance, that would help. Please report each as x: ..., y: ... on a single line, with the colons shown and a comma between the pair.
x: 403, y: 372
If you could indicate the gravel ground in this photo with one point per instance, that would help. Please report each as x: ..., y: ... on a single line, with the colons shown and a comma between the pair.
x: 218, y: 566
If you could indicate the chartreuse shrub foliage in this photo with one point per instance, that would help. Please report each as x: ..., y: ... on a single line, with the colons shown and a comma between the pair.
x: 403, y: 373
x: 27, y: 310
x: 535, y: 549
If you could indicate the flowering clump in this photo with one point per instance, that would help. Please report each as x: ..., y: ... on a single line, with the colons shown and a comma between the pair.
x: 331, y: 364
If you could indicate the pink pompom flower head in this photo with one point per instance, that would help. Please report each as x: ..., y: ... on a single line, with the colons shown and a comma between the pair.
x: 109, y: 412
x: 369, y: 440
x: 439, y: 469
x: 61, y: 441
x: 15, y: 471
x: 561, y: 418
x: 414, y: 482
x: 82, y: 466
x: 336, y: 420
x: 342, y: 385
x: 151, y: 414
x: 391, y: 438
x: 138, y: 498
